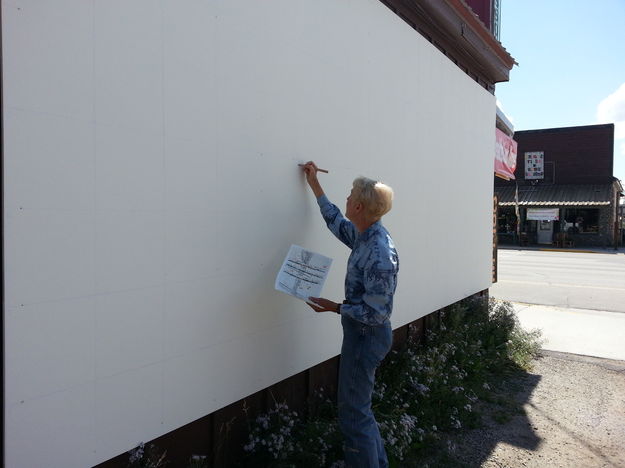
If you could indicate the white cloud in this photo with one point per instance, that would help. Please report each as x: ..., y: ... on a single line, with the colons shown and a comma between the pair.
x: 612, y: 110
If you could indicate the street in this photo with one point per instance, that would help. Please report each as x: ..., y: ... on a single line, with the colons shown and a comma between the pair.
x: 594, y: 281
x: 576, y: 299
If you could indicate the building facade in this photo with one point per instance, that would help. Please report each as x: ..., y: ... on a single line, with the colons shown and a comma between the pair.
x: 151, y: 190
x: 564, y: 193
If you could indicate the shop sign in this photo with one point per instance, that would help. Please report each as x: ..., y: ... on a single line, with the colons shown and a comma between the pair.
x: 543, y: 214
x: 535, y: 165
x: 505, y: 155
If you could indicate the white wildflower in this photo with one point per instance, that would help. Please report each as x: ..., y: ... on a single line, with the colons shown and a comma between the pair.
x: 137, y: 453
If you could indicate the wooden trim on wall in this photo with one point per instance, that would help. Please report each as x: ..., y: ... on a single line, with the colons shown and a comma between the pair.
x: 457, y: 32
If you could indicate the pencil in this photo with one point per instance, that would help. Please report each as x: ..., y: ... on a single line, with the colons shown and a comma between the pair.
x: 318, y: 169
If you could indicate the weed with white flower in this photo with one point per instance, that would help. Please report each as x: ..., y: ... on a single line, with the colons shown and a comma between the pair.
x: 149, y: 456
x: 423, y: 394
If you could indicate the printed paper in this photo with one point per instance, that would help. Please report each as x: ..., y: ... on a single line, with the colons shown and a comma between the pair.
x: 303, y: 273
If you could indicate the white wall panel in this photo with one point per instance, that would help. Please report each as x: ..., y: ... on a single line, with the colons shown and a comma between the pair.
x: 139, y: 393
x: 188, y: 232
x: 191, y: 173
x: 48, y: 255
x: 50, y: 49
x: 129, y: 250
x: 129, y: 169
x: 128, y: 55
x: 56, y: 335
x: 130, y: 330
x: 190, y: 321
x: 152, y: 191
x: 53, y: 154
x: 59, y: 428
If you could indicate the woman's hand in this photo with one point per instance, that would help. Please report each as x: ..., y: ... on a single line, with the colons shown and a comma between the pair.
x: 310, y: 169
x: 323, y: 305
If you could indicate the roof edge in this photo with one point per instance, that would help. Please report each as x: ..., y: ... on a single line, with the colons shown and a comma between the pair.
x: 462, y: 23
x: 484, y: 32
x: 563, y: 129
x: 455, y: 23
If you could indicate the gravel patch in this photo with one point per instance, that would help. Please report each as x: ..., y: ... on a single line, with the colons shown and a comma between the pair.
x: 568, y: 412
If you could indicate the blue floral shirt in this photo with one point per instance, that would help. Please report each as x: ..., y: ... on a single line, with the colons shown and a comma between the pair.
x: 372, y: 267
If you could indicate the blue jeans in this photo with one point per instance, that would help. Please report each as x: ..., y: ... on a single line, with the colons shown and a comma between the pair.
x: 364, y: 347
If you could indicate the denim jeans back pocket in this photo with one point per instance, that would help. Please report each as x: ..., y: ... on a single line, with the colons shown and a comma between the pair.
x: 382, y: 341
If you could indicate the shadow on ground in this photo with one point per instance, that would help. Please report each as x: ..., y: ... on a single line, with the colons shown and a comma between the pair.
x: 471, y: 448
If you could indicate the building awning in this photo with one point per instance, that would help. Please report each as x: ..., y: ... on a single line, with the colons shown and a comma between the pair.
x: 553, y: 195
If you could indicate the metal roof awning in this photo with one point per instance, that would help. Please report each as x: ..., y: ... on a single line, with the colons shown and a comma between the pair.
x: 553, y: 195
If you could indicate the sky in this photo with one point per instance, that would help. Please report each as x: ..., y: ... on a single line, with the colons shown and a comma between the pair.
x: 571, y: 66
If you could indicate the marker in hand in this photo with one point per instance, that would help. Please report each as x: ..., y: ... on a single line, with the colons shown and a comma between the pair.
x: 318, y: 169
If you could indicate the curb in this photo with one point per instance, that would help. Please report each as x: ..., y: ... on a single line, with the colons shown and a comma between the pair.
x: 546, y: 249
x: 568, y: 250
x: 607, y: 363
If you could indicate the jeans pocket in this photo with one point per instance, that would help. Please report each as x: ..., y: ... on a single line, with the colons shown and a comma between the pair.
x: 383, y: 343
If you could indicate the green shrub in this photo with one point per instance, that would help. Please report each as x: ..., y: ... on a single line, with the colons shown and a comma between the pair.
x: 420, y: 393
x: 423, y: 393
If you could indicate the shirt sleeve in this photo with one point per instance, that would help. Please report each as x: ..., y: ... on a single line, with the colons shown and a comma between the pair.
x: 377, y: 301
x: 342, y: 228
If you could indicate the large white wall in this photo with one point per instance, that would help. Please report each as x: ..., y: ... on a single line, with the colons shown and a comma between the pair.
x: 152, y: 191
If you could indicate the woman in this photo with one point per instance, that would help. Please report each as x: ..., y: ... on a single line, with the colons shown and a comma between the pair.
x: 370, y: 284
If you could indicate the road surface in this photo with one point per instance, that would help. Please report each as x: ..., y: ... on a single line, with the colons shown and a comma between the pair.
x: 594, y: 281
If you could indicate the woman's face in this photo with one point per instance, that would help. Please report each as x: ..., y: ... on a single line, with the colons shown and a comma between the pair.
x: 350, y: 207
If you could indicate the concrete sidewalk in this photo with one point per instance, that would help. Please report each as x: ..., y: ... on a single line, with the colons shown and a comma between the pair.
x: 549, y: 248
x: 578, y: 331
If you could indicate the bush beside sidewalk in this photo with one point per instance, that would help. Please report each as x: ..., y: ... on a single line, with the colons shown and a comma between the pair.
x: 424, y: 393
x: 478, y: 393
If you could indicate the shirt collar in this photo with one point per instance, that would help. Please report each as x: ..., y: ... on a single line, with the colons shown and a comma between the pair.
x: 370, y: 230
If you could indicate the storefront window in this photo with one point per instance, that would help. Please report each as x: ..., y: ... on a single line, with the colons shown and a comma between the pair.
x: 581, y: 220
x: 506, y: 220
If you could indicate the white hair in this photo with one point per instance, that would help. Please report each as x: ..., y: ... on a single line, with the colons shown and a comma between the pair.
x: 376, y: 197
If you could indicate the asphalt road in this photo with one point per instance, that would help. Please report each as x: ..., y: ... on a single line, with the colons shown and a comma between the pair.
x: 594, y: 281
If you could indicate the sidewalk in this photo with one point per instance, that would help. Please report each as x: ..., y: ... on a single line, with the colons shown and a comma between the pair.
x: 548, y: 248
x: 577, y: 331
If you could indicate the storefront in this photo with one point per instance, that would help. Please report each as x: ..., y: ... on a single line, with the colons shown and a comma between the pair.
x: 563, y: 216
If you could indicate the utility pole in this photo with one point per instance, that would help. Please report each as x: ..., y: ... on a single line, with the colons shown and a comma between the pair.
x: 516, y: 211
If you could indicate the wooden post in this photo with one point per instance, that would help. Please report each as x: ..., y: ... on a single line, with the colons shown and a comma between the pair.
x: 495, y: 211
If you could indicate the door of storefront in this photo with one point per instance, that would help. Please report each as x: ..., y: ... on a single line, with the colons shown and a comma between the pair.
x: 545, y: 232
x: 545, y: 218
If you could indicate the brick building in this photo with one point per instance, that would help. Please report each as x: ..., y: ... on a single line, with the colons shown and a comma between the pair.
x: 564, y: 189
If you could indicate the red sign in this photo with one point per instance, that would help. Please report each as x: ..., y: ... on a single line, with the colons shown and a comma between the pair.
x: 505, y: 155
